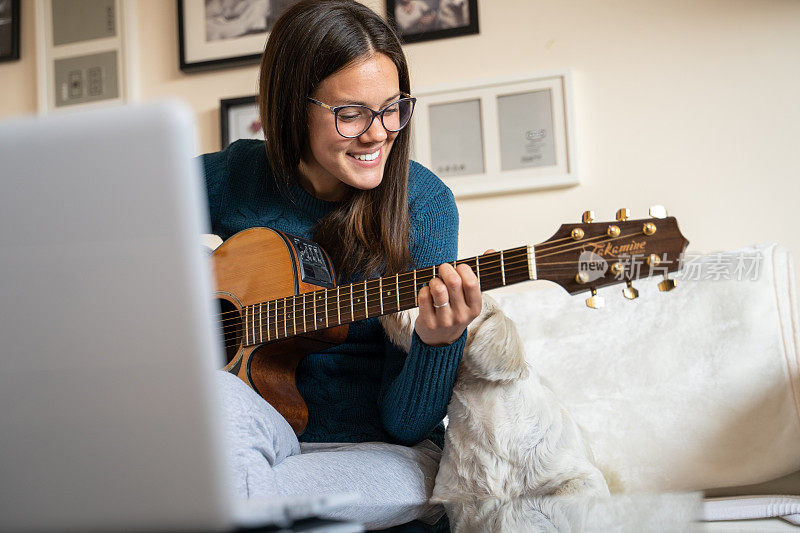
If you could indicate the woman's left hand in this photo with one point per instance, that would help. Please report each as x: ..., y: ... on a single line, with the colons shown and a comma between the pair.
x: 447, y: 305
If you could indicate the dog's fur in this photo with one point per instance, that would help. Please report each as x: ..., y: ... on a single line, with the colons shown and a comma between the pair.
x: 508, y: 438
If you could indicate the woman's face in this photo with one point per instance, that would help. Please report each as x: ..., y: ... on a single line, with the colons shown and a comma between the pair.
x: 329, y: 168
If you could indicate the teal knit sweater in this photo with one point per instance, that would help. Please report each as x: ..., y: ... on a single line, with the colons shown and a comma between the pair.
x: 365, y: 389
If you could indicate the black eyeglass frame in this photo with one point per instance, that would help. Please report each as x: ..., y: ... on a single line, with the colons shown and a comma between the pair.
x: 335, y: 110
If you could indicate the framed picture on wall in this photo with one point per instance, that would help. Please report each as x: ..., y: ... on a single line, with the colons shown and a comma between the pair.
x: 456, y: 155
x: 239, y: 120
x: 84, y: 60
x: 425, y: 20
x: 9, y: 30
x: 498, y: 136
x: 216, y: 34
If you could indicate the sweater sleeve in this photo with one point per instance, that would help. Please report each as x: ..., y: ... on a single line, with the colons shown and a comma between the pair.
x: 417, y: 386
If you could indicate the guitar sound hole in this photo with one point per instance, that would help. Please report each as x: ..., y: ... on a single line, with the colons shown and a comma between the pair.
x: 231, y: 321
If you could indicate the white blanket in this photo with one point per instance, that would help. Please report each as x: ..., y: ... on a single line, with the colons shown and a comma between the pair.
x: 691, y: 389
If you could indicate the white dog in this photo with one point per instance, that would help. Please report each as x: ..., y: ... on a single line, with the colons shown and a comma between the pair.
x: 508, y: 439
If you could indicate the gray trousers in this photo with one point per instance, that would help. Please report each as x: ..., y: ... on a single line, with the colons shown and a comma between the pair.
x: 266, y: 459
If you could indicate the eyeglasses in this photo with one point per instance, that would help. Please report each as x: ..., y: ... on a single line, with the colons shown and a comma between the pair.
x: 353, y: 120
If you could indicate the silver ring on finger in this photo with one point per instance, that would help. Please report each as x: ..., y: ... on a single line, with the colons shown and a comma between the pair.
x: 440, y: 306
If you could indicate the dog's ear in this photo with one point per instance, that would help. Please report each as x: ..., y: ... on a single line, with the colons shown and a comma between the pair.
x: 494, y: 350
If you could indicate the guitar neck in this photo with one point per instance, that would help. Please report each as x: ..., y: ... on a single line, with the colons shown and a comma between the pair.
x: 313, y: 311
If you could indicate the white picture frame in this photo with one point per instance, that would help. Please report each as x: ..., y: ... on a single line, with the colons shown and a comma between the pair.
x: 122, y: 44
x: 558, y: 170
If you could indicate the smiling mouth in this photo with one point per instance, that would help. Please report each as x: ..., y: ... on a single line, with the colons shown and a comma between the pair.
x: 367, y: 157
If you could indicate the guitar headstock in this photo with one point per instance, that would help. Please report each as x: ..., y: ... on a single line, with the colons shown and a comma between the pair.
x: 589, y: 255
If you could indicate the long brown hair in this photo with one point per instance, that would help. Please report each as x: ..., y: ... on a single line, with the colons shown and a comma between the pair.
x: 369, y: 231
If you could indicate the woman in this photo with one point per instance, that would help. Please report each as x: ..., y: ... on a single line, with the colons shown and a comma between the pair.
x: 333, y: 97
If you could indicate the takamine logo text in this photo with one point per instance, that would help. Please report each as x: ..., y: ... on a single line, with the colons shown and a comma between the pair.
x: 619, y: 249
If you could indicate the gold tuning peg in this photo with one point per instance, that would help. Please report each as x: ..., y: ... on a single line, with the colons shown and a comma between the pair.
x: 658, y: 211
x: 588, y: 217
x: 666, y: 285
x: 595, y: 301
x: 630, y: 291
x: 623, y: 214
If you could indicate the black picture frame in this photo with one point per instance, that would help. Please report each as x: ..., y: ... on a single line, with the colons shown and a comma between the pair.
x: 9, y: 30
x: 443, y: 24
x: 192, y: 61
x: 226, y: 106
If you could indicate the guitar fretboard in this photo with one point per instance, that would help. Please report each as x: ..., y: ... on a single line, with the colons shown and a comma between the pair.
x: 313, y: 311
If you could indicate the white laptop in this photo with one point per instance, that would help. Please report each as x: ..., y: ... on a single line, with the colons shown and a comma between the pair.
x: 107, y: 345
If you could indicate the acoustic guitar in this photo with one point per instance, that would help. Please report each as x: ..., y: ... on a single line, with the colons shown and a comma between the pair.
x: 279, y: 299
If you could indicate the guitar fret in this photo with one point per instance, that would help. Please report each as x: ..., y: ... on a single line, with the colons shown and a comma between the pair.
x: 246, y: 329
x: 478, y: 270
x: 327, y: 302
x: 491, y: 276
x: 366, y: 299
x: 338, y: 306
x: 326, y: 307
x: 518, y: 261
x: 323, y: 298
x: 305, y: 328
x: 315, y: 312
x: 397, y: 289
x: 352, y: 311
x: 380, y: 292
x: 294, y: 314
x: 416, y: 303
x: 502, y: 267
x: 251, y: 328
x: 285, y: 319
x: 244, y: 325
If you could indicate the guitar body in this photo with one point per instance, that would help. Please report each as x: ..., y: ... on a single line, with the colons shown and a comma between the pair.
x: 258, y: 265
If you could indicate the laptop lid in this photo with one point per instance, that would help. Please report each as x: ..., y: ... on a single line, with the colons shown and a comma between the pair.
x: 105, y: 326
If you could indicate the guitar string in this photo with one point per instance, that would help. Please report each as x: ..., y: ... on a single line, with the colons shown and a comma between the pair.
x: 489, y: 263
x: 236, y: 315
x: 372, y: 298
x: 307, y: 313
x: 404, y: 284
x: 286, y: 328
x: 283, y: 324
x: 330, y: 300
x: 539, y: 248
x: 372, y: 302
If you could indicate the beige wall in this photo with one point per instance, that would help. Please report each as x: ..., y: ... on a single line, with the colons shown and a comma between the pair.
x: 18, y: 78
x: 689, y: 103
